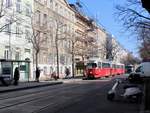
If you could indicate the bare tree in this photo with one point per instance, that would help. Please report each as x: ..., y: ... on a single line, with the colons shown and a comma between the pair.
x: 132, y: 15
x: 38, y: 37
x: 38, y: 41
x: 110, y: 48
x: 59, y: 33
x: 85, y: 44
x: 135, y: 19
x: 130, y: 59
x: 144, y: 48
x: 92, y: 47
x: 6, y: 13
x: 73, y: 39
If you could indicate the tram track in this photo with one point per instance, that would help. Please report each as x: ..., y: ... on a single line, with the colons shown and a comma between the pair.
x: 54, y: 95
x: 42, y: 94
x: 66, y: 105
x: 9, y: 96
x: 41, y: 110
x: 28, y: 91
x: 41, y: 97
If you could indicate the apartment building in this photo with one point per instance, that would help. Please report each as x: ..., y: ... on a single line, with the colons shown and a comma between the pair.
x: 58, y: 20
x: 86, y: 39
x: 15, y: 27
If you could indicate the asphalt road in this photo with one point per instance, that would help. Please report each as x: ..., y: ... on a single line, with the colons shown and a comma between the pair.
x: 88, y: 96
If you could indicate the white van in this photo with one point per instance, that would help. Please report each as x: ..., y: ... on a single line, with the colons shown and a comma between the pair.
x: 143, y: 70
x: 146, y: 69
x: 139, y: 70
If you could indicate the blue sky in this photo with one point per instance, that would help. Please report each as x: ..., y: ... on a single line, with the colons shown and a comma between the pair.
x: 105, y: 9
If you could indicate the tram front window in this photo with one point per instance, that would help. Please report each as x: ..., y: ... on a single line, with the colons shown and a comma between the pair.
x: 91, y: 65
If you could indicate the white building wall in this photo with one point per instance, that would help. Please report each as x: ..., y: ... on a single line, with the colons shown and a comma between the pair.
x: 61, y: 10
x: 16, y: 43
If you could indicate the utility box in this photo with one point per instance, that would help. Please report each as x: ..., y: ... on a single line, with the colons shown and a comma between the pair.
x: 146, y: 69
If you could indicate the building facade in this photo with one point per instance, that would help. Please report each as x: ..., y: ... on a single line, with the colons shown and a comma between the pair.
x: 59, y: 19
x: 53, y: 29
x: 15, y: 27
x: 86, y: 40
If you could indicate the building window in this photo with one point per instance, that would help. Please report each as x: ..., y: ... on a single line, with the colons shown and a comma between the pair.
x: 8, y: 27
x: 51, y: 3
x: 17, y: 55
x: 38, y: 17
x: 6, y: 53
x: 28, y: 10
x: 45, y: 70
x: 56, y: 7
x: 27, y: 35
x: 62, y: 59
x: 8, y: 3
x: 27, y: 51
x: 45, y: 19
x: 18, y: 30
x: 18, y: 6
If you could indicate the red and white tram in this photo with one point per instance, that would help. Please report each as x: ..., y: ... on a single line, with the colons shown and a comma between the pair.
x: 96, y: 68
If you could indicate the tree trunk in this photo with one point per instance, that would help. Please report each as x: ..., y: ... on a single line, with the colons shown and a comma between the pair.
x: 36, y: 59
x: 73, y: 70
x: 36, y: 62
x: 57, y: 55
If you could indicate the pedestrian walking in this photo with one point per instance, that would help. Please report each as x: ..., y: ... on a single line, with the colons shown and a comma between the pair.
x: 67, y: 72
x: 54, y: 75
x: 16, y: 76
x: 37, y: 74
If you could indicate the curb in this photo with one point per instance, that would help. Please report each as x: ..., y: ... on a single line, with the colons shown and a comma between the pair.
x: 30, y: 87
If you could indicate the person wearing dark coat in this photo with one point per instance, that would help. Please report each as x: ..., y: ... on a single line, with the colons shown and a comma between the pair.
x: 67, y: 72
x: 16, y: 76
x: 37, y: 74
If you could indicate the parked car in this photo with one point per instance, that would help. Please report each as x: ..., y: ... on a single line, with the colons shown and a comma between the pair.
x: 136, y: 76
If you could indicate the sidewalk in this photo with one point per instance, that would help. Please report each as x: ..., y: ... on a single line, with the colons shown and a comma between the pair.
x: 28, y: 85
